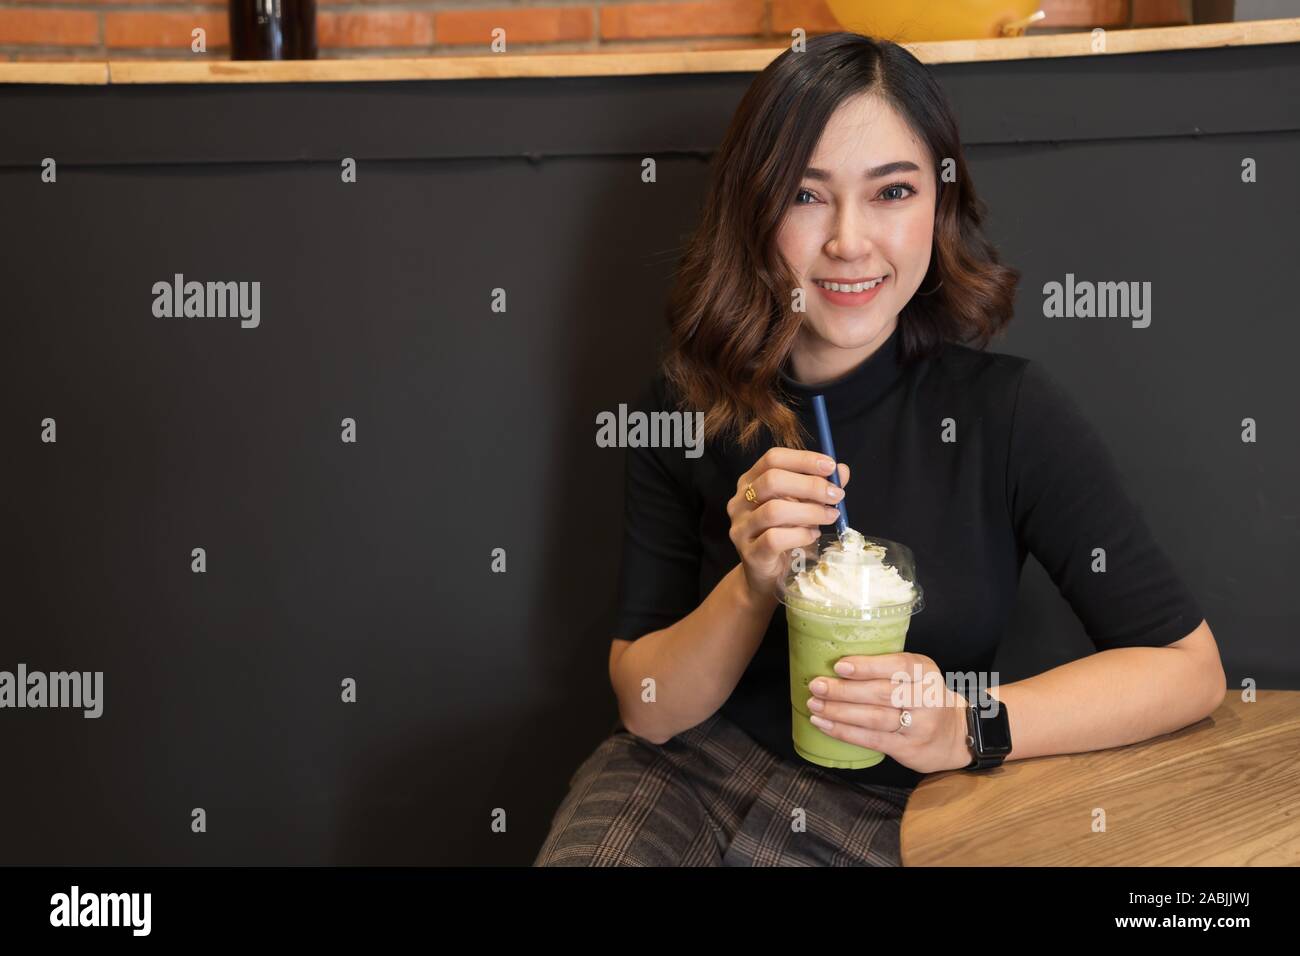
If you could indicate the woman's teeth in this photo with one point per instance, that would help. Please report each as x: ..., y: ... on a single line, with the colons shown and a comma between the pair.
x: 855, y: 287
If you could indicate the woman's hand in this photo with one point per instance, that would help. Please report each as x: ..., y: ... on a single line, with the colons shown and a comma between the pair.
x: 865, y: 704
x: 793, y: 499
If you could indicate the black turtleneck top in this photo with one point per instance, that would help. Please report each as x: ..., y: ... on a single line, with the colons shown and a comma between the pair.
x: 1027, y: 473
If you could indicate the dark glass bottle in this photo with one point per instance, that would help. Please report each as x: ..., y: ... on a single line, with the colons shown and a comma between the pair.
x: 272, y: 29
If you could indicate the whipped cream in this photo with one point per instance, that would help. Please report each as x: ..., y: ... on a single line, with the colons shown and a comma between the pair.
x: 851, y: 574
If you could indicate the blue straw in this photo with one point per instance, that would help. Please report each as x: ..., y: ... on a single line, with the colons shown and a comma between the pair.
x: 828, y: 449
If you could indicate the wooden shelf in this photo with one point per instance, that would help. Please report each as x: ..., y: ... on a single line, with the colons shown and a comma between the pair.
x: 456, y: 67
x: 94, y: 72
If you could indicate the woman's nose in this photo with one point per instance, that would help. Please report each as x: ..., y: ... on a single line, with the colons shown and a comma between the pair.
x: 848, y: 238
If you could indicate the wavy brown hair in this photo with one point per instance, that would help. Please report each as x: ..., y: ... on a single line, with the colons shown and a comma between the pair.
x: 730, y: 323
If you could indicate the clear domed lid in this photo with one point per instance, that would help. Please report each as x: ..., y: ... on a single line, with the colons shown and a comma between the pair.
x: 856, y: 578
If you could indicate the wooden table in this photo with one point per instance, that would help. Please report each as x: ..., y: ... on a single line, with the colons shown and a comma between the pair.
x: 1224, y: 791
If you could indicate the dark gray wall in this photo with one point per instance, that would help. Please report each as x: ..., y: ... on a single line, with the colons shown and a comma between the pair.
x: 476, y: 429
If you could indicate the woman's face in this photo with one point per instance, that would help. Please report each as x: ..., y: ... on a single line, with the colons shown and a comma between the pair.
x: 864, y: 210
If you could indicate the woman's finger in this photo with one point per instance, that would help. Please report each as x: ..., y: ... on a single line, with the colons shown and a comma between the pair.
x: 888, y: 743
x: 779, y: 483
x: 784, y: 513
x: 775, y: 541
x: 870, y: 716
x: 788, y: 459
x: 875, y: 691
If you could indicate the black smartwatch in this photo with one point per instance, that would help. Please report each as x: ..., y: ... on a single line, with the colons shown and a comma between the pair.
x: 988, y: 732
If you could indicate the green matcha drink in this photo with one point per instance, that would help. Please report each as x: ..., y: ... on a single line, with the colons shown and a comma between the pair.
x: 851, y: 597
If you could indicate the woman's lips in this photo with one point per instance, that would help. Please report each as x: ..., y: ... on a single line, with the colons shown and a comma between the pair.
x: 851, y: 298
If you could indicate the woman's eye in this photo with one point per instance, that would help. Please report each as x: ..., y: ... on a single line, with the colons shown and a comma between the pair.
x: 910, y: 190
x: 893, y: 193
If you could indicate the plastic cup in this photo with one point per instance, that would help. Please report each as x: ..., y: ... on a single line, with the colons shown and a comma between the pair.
x: 821, y: 631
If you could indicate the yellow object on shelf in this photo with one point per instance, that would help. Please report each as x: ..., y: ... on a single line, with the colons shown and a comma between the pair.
x: 911, y: 21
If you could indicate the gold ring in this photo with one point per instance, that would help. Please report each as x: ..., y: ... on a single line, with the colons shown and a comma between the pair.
x: 904, y: 719
x: 750, y: 496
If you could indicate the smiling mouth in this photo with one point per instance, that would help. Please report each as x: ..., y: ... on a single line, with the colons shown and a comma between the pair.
x: 850, y: 285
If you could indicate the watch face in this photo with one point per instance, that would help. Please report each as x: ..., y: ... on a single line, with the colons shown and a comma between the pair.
x: 993, y: 733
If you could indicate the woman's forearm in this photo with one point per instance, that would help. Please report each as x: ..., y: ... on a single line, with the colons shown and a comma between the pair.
x: 1110, y: 699
x: 695, y: 664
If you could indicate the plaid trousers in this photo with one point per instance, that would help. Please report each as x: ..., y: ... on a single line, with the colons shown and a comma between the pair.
x: 712, y: 796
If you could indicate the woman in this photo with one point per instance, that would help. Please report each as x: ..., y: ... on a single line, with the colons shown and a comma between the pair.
x: 841, y: 252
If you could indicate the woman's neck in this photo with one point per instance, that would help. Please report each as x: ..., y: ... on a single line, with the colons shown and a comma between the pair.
x: 818, y: 365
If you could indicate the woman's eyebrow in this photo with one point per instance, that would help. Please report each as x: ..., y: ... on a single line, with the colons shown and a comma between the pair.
x: 898, y: 166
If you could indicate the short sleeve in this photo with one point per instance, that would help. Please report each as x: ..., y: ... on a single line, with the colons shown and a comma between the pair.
x: 1066, y: 498
x: 660, y: 566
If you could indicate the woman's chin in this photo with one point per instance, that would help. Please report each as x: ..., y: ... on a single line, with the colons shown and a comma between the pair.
x: 851, y: 334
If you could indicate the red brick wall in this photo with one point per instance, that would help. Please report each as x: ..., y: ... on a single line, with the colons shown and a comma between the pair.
x: 95, y: 29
